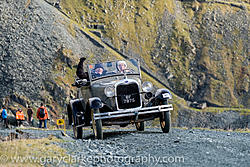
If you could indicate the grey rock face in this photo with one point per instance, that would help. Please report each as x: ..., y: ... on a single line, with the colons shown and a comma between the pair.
x: 30, y: 41
x: 228, y: 120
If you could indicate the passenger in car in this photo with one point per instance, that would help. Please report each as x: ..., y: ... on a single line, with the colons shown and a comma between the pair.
x: 121, y: 66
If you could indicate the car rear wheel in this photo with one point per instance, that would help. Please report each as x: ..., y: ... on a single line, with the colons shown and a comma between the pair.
x: 97, y: 126
x: 74, y: 111
x: 165, y: 120
x: 140, y: 126
x: 78, y: 133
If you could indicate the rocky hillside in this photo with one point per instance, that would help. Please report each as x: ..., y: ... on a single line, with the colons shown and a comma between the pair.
x: 39, y: 50
x: 198, y: 48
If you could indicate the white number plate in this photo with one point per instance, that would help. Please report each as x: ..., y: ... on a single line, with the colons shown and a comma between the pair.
x: 166, y: 95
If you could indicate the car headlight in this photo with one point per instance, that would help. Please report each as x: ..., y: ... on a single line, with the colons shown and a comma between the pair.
x: 147, y: 86
x: 109, y: 91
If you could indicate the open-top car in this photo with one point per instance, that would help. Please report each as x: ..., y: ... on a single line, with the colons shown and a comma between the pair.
x: 114, y: 94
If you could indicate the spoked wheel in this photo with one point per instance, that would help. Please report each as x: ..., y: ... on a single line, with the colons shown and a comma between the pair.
x: 140, y: 126
x: 165, y: 120
x: 97, y: 125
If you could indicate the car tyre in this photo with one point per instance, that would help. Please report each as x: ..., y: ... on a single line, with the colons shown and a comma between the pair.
x: 76, y: 108
x: 140, y: 126
x: 97, y: 126
x: 69, y: 111
x: 165, y: 120
x: 78, y: 133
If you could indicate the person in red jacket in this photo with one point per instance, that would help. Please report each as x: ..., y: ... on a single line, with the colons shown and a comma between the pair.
x: 42, y: 115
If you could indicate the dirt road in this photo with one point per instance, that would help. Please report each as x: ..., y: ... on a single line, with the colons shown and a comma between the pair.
x: 127, y: 147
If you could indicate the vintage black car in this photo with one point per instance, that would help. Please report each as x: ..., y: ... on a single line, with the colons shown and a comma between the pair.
x: 114, y: 94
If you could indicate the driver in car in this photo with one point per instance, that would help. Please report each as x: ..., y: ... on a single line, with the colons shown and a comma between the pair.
x: 99, y: 70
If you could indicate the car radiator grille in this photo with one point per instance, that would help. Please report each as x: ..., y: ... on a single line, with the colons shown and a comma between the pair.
x: 128, y: 96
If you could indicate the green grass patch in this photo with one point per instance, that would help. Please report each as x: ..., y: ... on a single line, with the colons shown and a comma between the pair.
x: 218, y: 110
x: 30, y: 152
x: 171, y: 6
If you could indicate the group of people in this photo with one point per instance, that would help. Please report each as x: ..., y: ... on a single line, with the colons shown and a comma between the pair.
x: 98, y: 69
x: 42, y: 116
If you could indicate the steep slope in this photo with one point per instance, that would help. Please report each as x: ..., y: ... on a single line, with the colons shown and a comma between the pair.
x: 198, y: 48
x: 210, y: 43
x: 39, y: 49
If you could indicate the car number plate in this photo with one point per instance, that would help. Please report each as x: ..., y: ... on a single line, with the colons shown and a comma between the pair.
x: 128, y: 99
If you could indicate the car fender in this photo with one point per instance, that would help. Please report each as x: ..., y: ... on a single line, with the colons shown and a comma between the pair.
x: 163, y: 94
x: 78, y: 107
x: 95, y: 103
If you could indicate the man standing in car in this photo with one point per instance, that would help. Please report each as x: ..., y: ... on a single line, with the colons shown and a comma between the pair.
x: 79, y: 71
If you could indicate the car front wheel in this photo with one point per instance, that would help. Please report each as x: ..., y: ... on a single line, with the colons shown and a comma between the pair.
x: 165, y: 120
x: 78, y: 133
x: 76, y: 130
x: 97, y: 126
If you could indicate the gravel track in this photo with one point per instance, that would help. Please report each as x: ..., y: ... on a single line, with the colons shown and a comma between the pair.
x: 127, y: 147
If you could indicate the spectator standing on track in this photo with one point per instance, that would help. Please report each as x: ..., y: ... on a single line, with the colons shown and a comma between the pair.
x: 30, y: 115
x: 4, y: 117
x: 19, y: 117
x: 42, y: 115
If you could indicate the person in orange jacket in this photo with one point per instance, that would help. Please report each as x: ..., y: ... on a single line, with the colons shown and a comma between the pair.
x: 42, y: 115
x: 19, y: 117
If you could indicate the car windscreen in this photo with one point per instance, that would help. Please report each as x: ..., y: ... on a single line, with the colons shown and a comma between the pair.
x: 113, y: 68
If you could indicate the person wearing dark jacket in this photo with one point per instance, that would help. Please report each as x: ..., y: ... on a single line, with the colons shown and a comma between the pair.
x: 80, y: 71
x: 98, y: 71
x: 30, y: 115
